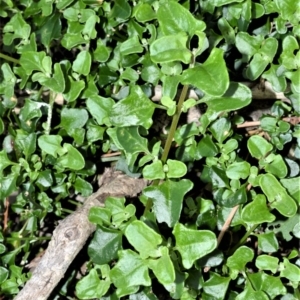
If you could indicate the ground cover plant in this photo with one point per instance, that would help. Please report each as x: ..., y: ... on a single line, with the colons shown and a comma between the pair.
x: 164, y: 91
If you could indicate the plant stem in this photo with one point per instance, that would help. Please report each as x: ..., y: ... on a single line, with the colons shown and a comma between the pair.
x: 242, y: 240
x: 49, y: 116
x: 174, y: 124
x: 8, y: 58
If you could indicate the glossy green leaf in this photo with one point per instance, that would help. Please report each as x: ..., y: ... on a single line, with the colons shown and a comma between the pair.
x: 206, y: 147
x: 270, y: 285
x: 105, y: 245
x: 16, y: 28
x: 154, y: 171
x: 267, y: 242
x: 73, y: 118
x: 4, y: 161
x: 193, y: 244
x: 238, y: 170
x: 131, y: 46
x: 8, y: 185
x: 73, y: 89
x: 174, y: 17
x: 258, y: 146
x: 257, y: 212
x: 277, y: 195
x: 99, y: 107
x: 91, y: 286
x: 251, y: 294
x: 237, y: 262
x: 50, y: 144
x: 55, y: 83
x: 167, y: 199
x: 82, y: 63
x: 277, y: 167
x: 144, y: 12
x: 26, y: 143
x: 266, y: 262
x: 211, y: 77
x: 170, y: 48
x: 102, y: 52
x: 290, y: 271
x: 73, y: 159
x: 121, y: 10
x: 134, y: 110
x: 236, y: 97
x: 176, y: 169
x: 33, y: 61
x: 216, y: 286
x: 129, y: 273
x: 163, y: 267
x: 262, y: 59
x: 143, y: 238
x: 83, y: 187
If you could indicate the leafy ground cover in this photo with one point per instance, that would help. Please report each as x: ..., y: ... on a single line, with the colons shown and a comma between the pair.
x: 220, y: 218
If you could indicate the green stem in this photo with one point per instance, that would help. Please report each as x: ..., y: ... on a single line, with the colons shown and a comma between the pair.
x: 170, y: 137
x: 242, y: 240
x: 12, y: 239
x: 174, y: 124
x: 8, y: 58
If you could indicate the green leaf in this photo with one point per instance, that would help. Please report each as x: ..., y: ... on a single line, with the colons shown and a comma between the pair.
x: 257, y: 212
x: 105, y: 245
x: 129, y: 273
x: 277, y: 195
x: 154, y: 171
x: 16, y: 28
x: 131, y: 46
x: 83, y: 187
x: 211, y: 77
x: 221, y: 129
x: 73, y: 118
x: 277, y: 81
x: 167, y: 199
x: 267, y: 242
x: 193, y: 244
x: 144, y: 12
x: 102, y: 52
x: 82, y: 63
x: 267, y: 262
x: 170, y: 48
x: 4, y: 161
x: 289, y: 10
x: 206, y: 147
x: 8, y: 185
x: 143, y: 238
x: 237, y: 262
x: 176, y: 169
x: 55, y: 83
x: 238, y: 170
x: 136, y: 109
x: 277, y: 167
x: 73, y: 159
x: 99, y: 107
x: 33, y: 61
x: 50, y: 30
x: 258, y: 146
x: 121, y: 10
x: 270, y: 285
x: 26, y: 142
x: 131, y: 141
x: 290, y: 271
x: 50, y: 144
x: 262, y: 59
x: 250, y: 294
x: 163, y: 267
x: 236, y: 97
x: 216, y: 286
x: 174, y: 17
x: 91, y: 286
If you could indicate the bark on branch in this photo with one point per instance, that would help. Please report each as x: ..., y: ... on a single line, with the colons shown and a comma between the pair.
x: 72, y: 233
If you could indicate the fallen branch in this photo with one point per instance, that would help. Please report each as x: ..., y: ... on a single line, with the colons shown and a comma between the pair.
x: 71, y: 235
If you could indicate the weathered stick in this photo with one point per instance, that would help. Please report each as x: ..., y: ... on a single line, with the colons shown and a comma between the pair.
x: 71, y: 235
